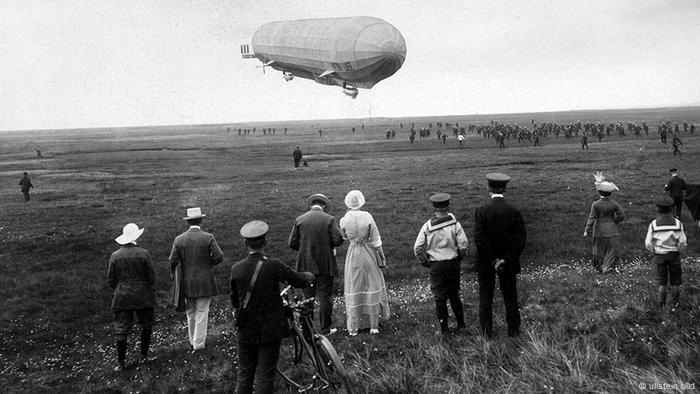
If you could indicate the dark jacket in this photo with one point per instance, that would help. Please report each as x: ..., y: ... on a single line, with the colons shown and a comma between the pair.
x: 499, y: 232
x: 198, y: 253
x: 604, y: 218
x: 297, y: 155
x: 132, y: 277
x: 315, y: 234
x: 675, y: 187
x: 25, y: 184
x: 263, y: 320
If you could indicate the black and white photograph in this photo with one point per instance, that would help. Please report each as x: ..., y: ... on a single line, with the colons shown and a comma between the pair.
x: 235, y: 196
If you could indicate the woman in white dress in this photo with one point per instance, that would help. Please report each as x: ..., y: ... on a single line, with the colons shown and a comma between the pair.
x: 365, y: 291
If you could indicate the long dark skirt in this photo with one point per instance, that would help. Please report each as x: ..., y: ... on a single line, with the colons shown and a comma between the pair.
x: 605, y: 253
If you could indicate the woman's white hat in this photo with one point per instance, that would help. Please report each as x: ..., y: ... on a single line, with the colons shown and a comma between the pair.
x: 130, y: 233
x: 354, y: 199
x: 602, y: 185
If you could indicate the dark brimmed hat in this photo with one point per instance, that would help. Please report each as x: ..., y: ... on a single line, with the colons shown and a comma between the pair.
x: 497, y: 179
x: 254, y: 230
x: 664, y: 201
x: 318, y: 197
x: 440, y: 200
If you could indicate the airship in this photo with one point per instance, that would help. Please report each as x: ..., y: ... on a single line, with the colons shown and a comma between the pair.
x: 351, y: 52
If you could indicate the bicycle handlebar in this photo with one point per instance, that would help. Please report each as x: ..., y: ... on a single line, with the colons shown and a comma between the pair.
x: 293, y: 303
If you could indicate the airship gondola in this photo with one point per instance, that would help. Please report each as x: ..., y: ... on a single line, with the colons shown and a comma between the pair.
x: 351, y: 52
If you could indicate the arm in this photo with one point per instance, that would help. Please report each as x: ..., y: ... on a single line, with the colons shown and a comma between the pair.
x: 619, y: 215
x: 648, y: 240
x: 294, y: 237
x: 336, y: 235
x: 217, y: 256
x: 234, y: 294
x: 682, y: 240
x: 112, y: 274
x: 462, y: 241
x: 150, y: 271
x: 480, y: 237
x: 420, y: 247
x: 174, y: 259
x: 591, y: 220
x: 294, y: 278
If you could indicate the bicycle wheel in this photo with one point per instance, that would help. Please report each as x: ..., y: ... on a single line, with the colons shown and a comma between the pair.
x: 335, y: 370
x: 297, y: 370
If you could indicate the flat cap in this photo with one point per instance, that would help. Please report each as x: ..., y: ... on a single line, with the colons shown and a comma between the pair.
x: 318, y: 197
x: 664, y: 201
x: 674, y: 169
x: 497, y: 179
x: 254, y: 229
x: 440, y: 200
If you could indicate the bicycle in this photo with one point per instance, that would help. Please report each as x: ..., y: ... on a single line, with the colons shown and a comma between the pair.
x: 316, y: 365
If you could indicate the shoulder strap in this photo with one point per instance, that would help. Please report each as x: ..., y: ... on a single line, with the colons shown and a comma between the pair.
x: 246, y: 299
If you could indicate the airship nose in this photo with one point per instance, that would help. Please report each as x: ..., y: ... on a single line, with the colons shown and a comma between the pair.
x: 383, y: 46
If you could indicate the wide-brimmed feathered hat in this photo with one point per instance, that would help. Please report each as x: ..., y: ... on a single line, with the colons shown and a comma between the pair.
x: 603, y: 185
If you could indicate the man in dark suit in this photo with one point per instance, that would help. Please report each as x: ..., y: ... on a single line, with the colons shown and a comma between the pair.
x: 315, y: 235
x: 675, y: 187
x: 296, y: 155
x: 198, y: 253
x: 260, y: 319
x: 499, y: 234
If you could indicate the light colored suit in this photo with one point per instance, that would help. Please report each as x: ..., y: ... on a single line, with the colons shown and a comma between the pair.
x: 197, y: 252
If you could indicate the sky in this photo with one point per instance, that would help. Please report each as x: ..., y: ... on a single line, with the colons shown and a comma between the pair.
x: 78, y: 64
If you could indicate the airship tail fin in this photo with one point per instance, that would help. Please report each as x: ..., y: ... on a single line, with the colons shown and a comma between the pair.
x: 245, y: 52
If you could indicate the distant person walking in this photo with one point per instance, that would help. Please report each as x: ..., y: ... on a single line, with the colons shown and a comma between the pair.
x: 25, y: 184
x: 365, y: 290
x: 315, y: 235
x: 499, y: 234
x: 196, y: 253
x: 666, y: 239
x: 584, y: 141
x: 602, y: 223
x: 460, y: 139
x: 441, y: 245
x: 676, y: 143
x: 133, y: 279
x: 260, y: 320
x: 676, y: 187
x: 296, y: 155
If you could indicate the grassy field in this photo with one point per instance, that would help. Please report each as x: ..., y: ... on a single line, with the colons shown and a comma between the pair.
x: 582, y: 332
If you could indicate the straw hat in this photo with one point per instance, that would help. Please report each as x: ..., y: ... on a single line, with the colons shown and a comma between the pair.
x: 194, y: 213
x: 130, y: 233
x: 354, y: 199
x: 318, y: 197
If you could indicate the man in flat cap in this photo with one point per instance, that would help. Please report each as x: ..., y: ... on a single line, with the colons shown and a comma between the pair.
x: 675, y: 188
x: 666, y: 239
x: 196, y: 252
x: 440, y: 245
x: 260, y: 320
x: 499, y: 234
x: 25, y: 184
x: 315, y: 235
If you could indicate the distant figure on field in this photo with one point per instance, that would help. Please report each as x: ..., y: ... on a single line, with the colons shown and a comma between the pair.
x: 196, y: 253
x: 676, y: 143
x: 584, y: 141
x: 38, y: 152
x: 666, y: 239
x: 305, y: 163
x: 320, y: 133
x: 25, y: 184
x: 315, y: 235
x: 460, y: 139
x: 260, y: 321
x: 676, y: 187
x: 537, y: 140
x: 444, y: 138
x: 296, y: 155
x: 499, y: 234
x: 441, y: 245
x: 602, y: 223
x: 133, y: 279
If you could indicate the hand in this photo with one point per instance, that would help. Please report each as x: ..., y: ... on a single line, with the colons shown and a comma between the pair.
x: 585, y: 233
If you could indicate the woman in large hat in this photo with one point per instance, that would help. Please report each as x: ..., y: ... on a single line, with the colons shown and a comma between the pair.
x: 365, y: 290
x: 602, y: 223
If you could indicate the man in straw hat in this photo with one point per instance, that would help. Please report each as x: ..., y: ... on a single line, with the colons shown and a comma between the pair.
x: 197, y: 253
x: 260, y: 319
x: 133, y: 279
x: 499, y: 234
x: 666, y: 239
x: 315, y: 235
x: 440, y: 245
